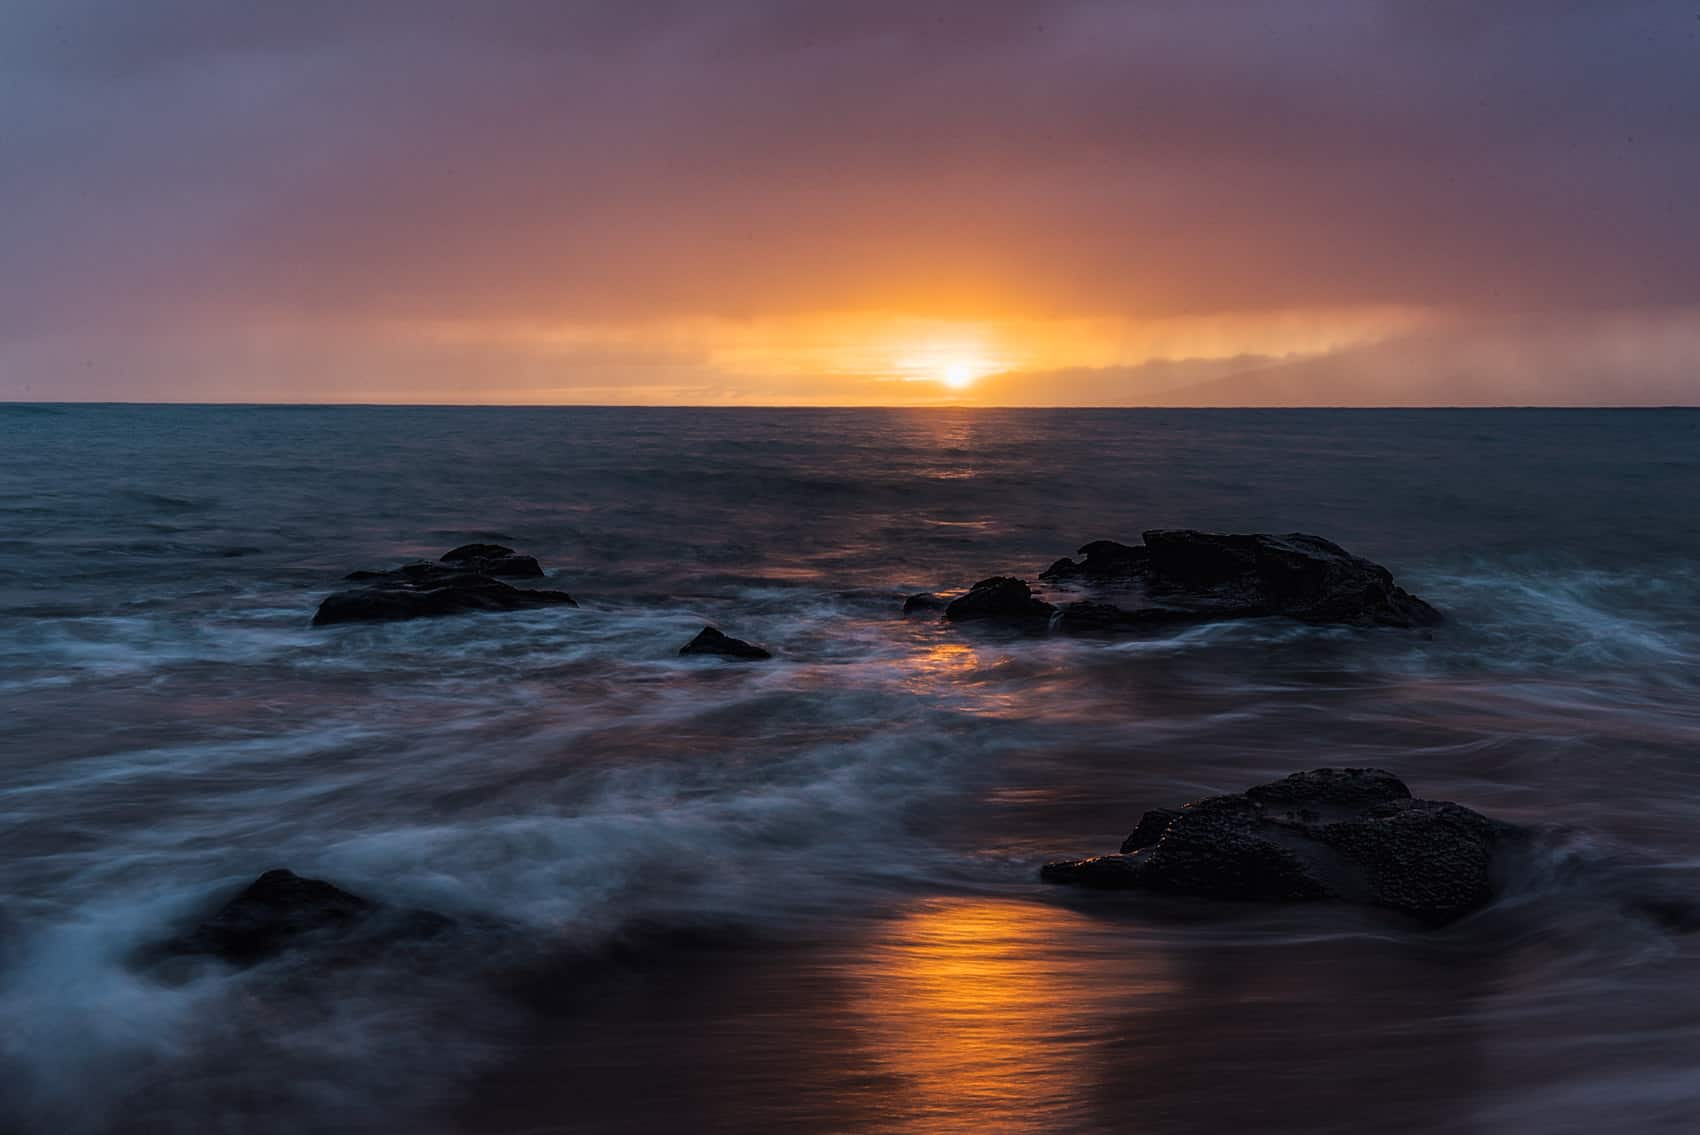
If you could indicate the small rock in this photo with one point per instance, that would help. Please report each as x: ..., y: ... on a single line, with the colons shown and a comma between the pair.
x: 923, y: 603
x: 1000, y: 597
x: 711, y: 641
x: 282, y: 910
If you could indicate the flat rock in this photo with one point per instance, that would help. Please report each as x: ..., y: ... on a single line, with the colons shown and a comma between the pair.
x: 1181, y: 574
x: 1354, y: 835
x: 711, y: 641
x: 282, y: 910
x: 422, y: 590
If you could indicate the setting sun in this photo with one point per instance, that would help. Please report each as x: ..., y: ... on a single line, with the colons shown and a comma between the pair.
x: 959, y: 375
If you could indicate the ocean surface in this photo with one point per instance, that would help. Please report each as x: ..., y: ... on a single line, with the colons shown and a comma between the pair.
x: 802, y: 896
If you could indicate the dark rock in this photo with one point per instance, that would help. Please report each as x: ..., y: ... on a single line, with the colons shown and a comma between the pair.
x: 282, y: 910
x: 493, y: 559
x: 711, y: 641
x: 1349, y: 834
x: 923, y: 603
x: 421, y: 590
x: 1087, y: 617
x: 1208, y: 576
x: 1104, y: 560
x: 1151, y: 827
x: 476, y: 552
x: 1000, y: 597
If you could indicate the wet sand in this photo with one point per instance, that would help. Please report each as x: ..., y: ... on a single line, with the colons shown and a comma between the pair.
x: 964, y: 1014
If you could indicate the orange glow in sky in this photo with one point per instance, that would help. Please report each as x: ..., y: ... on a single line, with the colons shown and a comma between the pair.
x: 851, y: 204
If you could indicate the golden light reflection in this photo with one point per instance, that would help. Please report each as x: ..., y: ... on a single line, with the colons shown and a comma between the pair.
x: 945, y: 661
x: 962, y: 671
x: 990, y: 1017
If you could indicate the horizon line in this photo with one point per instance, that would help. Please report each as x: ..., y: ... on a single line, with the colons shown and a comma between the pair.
x: 844, y: 405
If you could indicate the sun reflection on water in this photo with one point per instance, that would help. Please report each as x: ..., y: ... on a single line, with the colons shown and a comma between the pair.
x: 987, y: 1015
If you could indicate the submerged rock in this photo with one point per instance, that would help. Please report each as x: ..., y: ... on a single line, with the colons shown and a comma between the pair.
x: 282, y: 910
x: 1000, y: 597
x: 464, y: 584
x: 1351, y: 834
x: 711, y: 641
x: 1206, y: 576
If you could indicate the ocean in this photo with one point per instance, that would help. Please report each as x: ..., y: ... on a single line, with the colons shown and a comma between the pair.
x: 802, y: 895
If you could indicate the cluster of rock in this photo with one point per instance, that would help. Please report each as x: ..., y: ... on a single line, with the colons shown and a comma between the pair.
x: 1350, y: 834
x: 1179, y: 576
x: 469, y: 579
x: 1353, y: 834
x: 463, y: 580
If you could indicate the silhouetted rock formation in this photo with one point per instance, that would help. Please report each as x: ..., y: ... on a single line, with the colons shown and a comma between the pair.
x: 493, y: 559
x: 1210, y: 576
x: 711, y: 641
x: 1349, y: 834
x: 282, y: 910
x: 1000, y: 597
x: 464, y: 583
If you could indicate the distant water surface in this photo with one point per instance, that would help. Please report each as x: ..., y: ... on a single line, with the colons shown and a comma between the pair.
x: 802, y: 896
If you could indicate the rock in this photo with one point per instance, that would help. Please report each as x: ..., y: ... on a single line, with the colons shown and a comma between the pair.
x: 1104, y: 559
x: 493, y: 559
x: 711, y: 641
x: 1350, y: 834
x: 421, y: 590
x: 1151, y: 827
x: 1207, y: 576
x: 1086, y: 617
x: 924, y: 603
x: 1000, y: 597
x: 282, y: 910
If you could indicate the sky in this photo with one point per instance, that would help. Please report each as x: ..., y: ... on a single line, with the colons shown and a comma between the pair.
x: 1074, y: 202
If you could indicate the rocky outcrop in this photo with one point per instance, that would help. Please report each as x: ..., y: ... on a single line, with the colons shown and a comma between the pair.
x: 282, y: 910
x: 456, y: 587
x: 711, y: 641
x: 1181, y: 574
x: 1001, y: 598
x: 1353, y: 834
x: 493, y: 559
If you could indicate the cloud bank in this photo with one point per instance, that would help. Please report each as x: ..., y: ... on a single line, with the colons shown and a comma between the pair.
x: 207, y: 200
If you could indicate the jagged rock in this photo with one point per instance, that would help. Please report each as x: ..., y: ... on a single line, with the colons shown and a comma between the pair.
x: 1000, y: 597
x: 1350, y: 834
x: 282, y: 910
x: 711, y: 641
x: 493, y: 559
x: 421, y: 590
x: 1207, y: 576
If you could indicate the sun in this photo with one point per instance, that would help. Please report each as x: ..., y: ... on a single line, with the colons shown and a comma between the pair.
x: 959, y: 374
